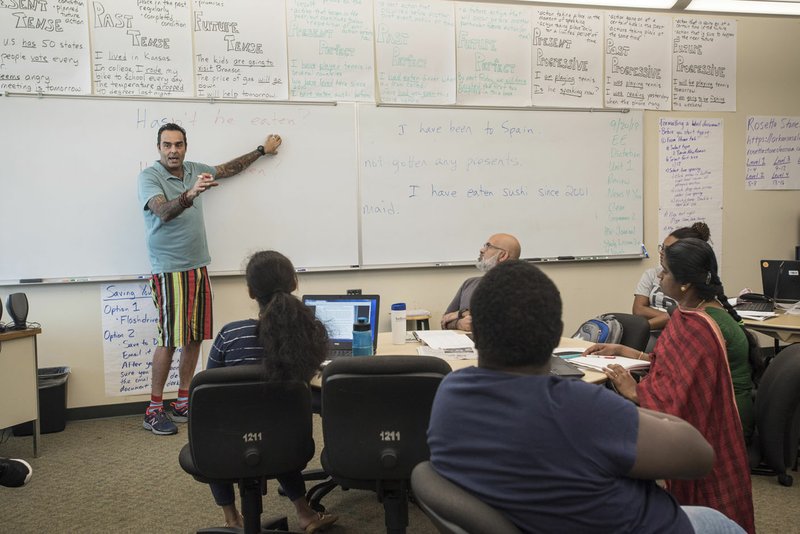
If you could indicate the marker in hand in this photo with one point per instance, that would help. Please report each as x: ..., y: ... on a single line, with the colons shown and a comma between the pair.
x: 205, y: 181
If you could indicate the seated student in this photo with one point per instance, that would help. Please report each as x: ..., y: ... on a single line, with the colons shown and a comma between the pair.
x: 553, y: 454
x: 694, y: 278
x: 499, y: 248
x: 690, y: 377
x: 290, y: 344
x: 649, y: 300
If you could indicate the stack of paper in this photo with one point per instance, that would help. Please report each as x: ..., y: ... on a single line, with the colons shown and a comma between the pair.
x: 444, y: 339
x: 445, y: 344
x: 601, y: 362
x: 755, y: 315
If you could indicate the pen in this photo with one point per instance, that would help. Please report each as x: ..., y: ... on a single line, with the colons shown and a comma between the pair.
x: 644, y: 251
x: 606, y: 357
x: 566, y: 258
x: 30, y: 280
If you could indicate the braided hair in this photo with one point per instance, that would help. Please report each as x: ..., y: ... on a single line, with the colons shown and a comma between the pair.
x: 692, y: 261
x: 295, y: 342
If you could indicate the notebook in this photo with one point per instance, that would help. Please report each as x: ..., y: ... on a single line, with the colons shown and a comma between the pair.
x: 781, y: 279
x: 339, y: 312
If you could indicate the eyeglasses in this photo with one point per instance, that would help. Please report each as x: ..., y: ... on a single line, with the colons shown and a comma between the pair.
x: 488, y: 245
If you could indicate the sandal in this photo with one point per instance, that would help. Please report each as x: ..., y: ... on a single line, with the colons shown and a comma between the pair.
x: 321, y: 523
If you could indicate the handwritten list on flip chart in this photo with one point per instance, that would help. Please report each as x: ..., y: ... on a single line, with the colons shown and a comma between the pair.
x: 129, y: 322
x: 493, y: 55
x: 638, y: 60
x: 141, y: 48
x: 44, y: 47
x: 772, y: 150
x: 415, y: 52
x: 567, y: 57
x: 467, y: 172
x: 331, y: 55
x: 690, y: 175
x: 704, y: 64
x: 240, y: 49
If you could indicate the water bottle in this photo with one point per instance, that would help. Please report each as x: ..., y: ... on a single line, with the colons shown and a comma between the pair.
x: 399, y: 323
x: 362, y: 337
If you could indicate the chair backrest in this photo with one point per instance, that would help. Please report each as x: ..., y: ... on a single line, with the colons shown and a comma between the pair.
x: 375, y: 414
x: 454, y: 510
x: 635, y: 330
x: 242, y: 427
x: 777, y: 408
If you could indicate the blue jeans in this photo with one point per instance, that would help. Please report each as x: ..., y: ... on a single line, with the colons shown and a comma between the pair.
x: 292, y: 483
x: 709, y: 521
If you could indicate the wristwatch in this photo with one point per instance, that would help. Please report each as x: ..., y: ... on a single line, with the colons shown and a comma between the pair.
x: 260, y: 149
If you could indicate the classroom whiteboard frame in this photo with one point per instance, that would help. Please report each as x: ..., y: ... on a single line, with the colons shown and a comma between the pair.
x: 505, y: 108
x: 317, y: 270
x: 210, y: 100
x: 361, y: 265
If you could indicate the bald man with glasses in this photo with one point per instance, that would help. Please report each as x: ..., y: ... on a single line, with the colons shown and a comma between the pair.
x: 497, y: 249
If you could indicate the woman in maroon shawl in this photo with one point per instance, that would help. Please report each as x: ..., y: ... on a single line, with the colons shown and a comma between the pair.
x: 689, y: 377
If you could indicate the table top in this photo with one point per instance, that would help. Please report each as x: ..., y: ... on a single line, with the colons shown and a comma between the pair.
x: 387, y: 348
x: 8, y: 335
x: 784, y: 326
x: 782, y: 320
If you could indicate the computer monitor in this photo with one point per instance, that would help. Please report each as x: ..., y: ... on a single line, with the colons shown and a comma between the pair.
x: 339, y: 312
x: 781, y: 279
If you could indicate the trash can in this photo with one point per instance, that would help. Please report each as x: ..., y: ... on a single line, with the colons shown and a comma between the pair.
x: 52, y: 383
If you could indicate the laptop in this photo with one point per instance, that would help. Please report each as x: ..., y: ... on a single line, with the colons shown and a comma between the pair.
x: 339, y: 312
x: 781, y: 280
x: 560, y: 367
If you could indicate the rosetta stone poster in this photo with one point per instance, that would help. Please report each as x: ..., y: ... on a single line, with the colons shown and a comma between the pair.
x: 129, y: 323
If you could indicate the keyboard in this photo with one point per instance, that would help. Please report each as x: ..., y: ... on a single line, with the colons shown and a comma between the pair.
x: 338, y: 353
x: 755, y: 306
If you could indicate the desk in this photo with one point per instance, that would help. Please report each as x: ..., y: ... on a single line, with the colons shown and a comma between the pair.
x: 19, y: 390
x: 387, y: 348
x: 784, y: 328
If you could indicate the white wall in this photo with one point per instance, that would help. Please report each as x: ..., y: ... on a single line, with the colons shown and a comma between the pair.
x: 757, y: 224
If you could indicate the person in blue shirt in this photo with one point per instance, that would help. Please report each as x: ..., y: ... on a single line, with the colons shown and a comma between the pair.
x: 555, y: 454
x: 290, y: 343
x: 170, y: 195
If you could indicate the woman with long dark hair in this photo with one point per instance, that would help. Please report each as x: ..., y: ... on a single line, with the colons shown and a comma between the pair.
x: 290, y: 344
x: 690, y: 377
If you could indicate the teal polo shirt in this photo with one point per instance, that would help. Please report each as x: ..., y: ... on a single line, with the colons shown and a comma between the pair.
x: 180, y: 244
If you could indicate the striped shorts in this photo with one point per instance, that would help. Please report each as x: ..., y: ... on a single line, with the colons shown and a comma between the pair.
x: 183, y: 300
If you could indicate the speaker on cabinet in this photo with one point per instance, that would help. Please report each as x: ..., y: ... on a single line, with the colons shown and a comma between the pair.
x: 17, y: 306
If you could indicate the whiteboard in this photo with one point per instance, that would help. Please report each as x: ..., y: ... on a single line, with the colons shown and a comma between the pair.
x: 435, y: 183
x: 69, y: 193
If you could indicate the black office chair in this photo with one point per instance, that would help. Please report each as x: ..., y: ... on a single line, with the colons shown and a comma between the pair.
x: 243, y: 430
x: 635, y: 330
x: 375, y: 414
x: 777, y: 406
x: 451, y: 509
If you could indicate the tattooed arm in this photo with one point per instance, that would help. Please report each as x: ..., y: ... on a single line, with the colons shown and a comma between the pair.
x: 167, y: 210
x: 235, y: 166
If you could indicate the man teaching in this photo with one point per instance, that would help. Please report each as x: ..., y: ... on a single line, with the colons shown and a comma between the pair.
x: 170, y: 194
